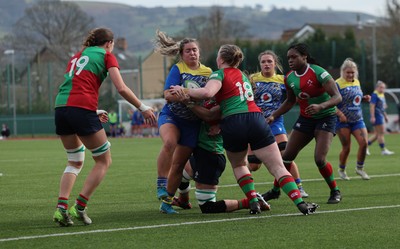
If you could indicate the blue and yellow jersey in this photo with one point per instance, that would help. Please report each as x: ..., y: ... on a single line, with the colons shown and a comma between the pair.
x: 182, y: 75
x: 269, y: 92
x: 380, y: 103
x: 351, y: 99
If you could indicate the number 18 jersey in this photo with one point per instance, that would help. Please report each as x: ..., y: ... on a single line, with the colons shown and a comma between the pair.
x: 236, y: 94
x: 85, y: 72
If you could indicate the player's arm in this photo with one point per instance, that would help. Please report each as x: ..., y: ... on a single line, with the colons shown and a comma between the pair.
x: 207, y: 92
x: 285, y: 107
x: 331, y: 88
x: 205, y: 114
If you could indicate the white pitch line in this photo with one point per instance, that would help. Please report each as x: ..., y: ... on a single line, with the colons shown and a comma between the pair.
x: 306, y: 180
x: 187, y: 223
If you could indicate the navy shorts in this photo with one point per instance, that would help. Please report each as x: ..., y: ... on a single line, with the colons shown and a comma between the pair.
x: 240, y: 130
x: 207, y: 166
x: 189, y: 130
x: 74, y: 120
x: 309, y: 125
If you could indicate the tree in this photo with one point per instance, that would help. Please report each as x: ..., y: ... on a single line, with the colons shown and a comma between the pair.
x: 213, y: 30
x: 48, y: 33
x: 389, y: 56
x: 58, y: 26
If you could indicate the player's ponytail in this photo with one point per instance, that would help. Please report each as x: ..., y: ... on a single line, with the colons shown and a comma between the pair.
x: 98, y: 37
x: 166, y: 45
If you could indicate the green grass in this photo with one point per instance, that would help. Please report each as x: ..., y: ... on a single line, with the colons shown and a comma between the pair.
x: 126, y: 200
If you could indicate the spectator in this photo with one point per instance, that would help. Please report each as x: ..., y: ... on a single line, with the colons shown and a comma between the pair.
x: 5, y: 131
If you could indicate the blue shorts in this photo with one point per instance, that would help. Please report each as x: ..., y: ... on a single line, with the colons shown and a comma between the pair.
x: 277, y: 127
x: 74, y: 120
x: 379, y: 119
x: 207, y: 166
x: 240, y: 130
x: 309, y: 125
x: 352, y: 126
x: 189, y: 130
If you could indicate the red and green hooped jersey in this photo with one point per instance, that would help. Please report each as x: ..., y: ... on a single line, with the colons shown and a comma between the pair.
x: 236, y: 94
x: 85, y: 72
x: 309, y: 89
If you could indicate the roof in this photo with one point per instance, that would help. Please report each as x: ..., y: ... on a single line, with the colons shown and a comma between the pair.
x: 330, y: 30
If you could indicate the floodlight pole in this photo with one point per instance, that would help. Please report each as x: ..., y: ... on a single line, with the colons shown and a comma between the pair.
x: 11, y: 52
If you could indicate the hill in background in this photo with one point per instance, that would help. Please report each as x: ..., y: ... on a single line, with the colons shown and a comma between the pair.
x: 138, y: 24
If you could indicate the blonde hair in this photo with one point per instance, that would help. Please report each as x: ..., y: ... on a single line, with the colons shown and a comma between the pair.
x: 165, y: 45
x: 278, y: 63
x: 349, y: 63
x: 380, y: 83
x: 231, y: 54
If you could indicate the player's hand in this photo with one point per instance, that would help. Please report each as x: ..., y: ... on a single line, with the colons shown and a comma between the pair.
x: 313, y: 109
x: 178, y: 90
x: 103, y: 116
x: 372, y: 120
x: 214, y: 130
x: 149, y: 116
x: 343, y: 118
x: 270, y: 119
x: 366, y: 98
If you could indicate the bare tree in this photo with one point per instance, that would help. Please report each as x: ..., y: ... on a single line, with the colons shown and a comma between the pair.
x: 54, y: 25
x: 213, y: 30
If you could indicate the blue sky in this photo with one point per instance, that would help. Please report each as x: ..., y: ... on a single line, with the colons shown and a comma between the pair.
x: 375, y: 7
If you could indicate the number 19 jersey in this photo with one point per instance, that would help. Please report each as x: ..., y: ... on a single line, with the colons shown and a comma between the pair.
x: 236, y: 94
x: 85, y: 72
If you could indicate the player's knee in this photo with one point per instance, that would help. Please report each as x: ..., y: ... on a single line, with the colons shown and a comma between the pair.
x: 101, y: 150
x: 205, y: 195
x: 75, y: 157
x: 253, y: 159
x: 210, y: 207
x: 185, y: 176
x: 73, y: 170
x: 320, y: 162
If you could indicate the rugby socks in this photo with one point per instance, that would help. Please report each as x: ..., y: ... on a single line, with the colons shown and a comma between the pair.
x: 289, y: 186
x: 276, y: 187
x: 161, y: 182
x: 81, y: 202
x: 343, y: 167
x: 327, y: 173
x: 246, y: 183
x: 62, y: 204
x: 360, y: 165
x: 298, y: 183
x: 244, y: 203
x: 382, y: 145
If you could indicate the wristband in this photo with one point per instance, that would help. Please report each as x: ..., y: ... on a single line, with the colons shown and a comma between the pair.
x: 143, y: 107
x: 99, y: 112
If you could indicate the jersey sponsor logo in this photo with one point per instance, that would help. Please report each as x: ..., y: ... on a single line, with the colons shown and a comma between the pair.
x: 291, y: 85
x: 357, y: 100
x: 294, y: 194
x: 303, y: 95
x: 309, y: 82
x: 213, y: 75
x: 324, y: 75
x: 266, y: 97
